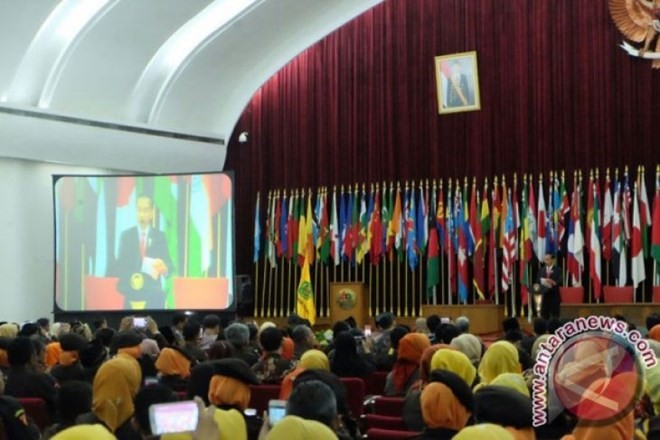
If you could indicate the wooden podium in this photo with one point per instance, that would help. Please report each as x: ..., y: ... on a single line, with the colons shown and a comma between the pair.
x: 349, y: 299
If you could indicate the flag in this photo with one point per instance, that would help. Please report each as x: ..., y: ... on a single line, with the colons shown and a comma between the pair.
x: 343, y: 224
x: 450, y: 246
x: 637, y: 251
x: 257, y: 231
x: 524, y: 244
x: 421, y: 221
x: 325, y: 237
x: 626, y: 201
x: 302, y: 229
x: 277, y: 225
x: 655, y: 237
x: 509, y: 243
x: 305, y: 295
x: 551, y: 214
x: 432, y: 262
x: 618, y: 246
x: 309, y: 231
x: 575, y: 240
x: 411, y: 235
x: 291, y: 228
x: 440, y: 219
x: 200, y: 234
x: 347, y: 234
x: 594, y: 245
x: 284, y: 226
x: 492, y: 242
x: 590, y: 206
x: 376, y: 231
x: 564, y: 209
x: 394, y: 228
x: 334, y: 231
x: 462, y: 227
x: 608, y: 213
x: 125, y: 213
x: 386, y: 215
x: 472, y: 217
x: 516, y: 217
x: 541, y: 224
x: 363, y: 223
x: 645, y: 220
x: 532, y: 231
x: 481, y: 215
x: 355, y: 224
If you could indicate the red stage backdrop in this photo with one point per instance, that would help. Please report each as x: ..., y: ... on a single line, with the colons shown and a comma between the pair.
x: 361, y: 105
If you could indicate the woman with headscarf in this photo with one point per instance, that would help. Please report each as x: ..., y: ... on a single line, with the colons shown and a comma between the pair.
x: 229, y: 390
x: 617, y: 388
x: 347, y: 362
x: 406, y: 368
x: 297, y: 428
x: 654, y: 333
x: 221, y: 350
x: 501, y: 357
x: 484, y: 431
x: 412, y: 409
x: 447, y: 405
x: 115, y: 385
x: 173, y: 367
x: 470, y: 346
x: 310, y: 360
x: 508, y: 406
x: 456, y: 362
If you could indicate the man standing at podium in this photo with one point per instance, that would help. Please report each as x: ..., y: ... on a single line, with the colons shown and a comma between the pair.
x: 143, y: 261
x: 549, y: 278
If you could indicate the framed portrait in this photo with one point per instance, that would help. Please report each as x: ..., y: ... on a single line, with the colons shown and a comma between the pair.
x: 457, y: 81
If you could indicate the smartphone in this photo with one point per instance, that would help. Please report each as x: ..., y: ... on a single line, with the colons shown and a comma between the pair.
x: 139, y: 321
x: 445, y: 321
x: 367, y: 331
x: 276, y: 411
x: 173, y: 417
x: 150, y: 380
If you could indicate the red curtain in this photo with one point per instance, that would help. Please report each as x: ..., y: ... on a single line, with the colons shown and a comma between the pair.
x: 361, y: 105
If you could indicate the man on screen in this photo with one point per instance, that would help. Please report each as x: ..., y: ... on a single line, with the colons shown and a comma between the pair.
x: 143, y: 261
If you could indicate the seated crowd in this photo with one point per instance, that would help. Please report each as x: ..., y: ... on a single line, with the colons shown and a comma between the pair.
x: 99, y: 382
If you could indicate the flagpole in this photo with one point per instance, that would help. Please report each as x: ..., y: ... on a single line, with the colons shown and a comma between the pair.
x: 82, y: 276
x: 391, y: 308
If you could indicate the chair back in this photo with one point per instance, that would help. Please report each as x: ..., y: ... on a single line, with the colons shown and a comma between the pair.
x: 260, y: 395
x: 376, y: 383
x: 389, y: 406
x: 383, y: 422
x: 386, y: 434
x: 36, y: 409
x: 355, y: 394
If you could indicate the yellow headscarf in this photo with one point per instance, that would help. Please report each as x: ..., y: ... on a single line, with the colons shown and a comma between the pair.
x: 8, y: 330
x: 231, y: 425
x: 441, y: 408
x: 85, y: 432
x: 484, y: 431
x: 115, y: 386
x: 456, y: 362
x: 225, y: 390
x: 314, y: 360
x: 513, y: 381
x: 653, y: 386
x: 296, y: 428
x: 501, y: 357
x: 171, y: 362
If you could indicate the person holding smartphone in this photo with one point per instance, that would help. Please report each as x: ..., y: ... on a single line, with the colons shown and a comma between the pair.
x: 229, y: 390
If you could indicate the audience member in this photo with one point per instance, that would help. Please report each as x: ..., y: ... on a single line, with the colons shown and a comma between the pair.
x: 297, y: 428
x: 348, y: 426
x: 444, y: 333
x: 447, y: 405
x: 314, y: 400
x: 406, y: 368
x: 272, y: 367
x: 179, y: 320
x: 239, y: 336
x: 24, y: 379
x: 173, y: 366
x: 69, y: 366
x: 432, y: 322
x: 221, y: 350
x: 501, y: 357
x: 470, y: 346
x: 385, y: 323
x: 346, y: 361
x: 211, y: 331
x: 651, y: 321
x: 310, y: 360
x: 303, y: 340
x: 421, y: 327
x: 191, y: 335
x: 13, y: 418
x: 147, y: 396
x: 540, y: 328
x: 463, y: 324
x: 74, y: 398
x: 505, y: 407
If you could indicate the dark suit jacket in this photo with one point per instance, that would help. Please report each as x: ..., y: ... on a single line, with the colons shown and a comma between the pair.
x: 129, y: 260
x: 555, y: 275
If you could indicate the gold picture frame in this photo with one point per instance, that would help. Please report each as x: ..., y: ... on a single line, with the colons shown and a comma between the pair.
x: 457, y: 81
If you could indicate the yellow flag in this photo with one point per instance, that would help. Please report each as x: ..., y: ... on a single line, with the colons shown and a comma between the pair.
x: 305, y: 295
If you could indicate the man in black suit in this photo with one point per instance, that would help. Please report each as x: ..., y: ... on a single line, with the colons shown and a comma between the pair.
x: 143, y: 261
x: 549, y: 278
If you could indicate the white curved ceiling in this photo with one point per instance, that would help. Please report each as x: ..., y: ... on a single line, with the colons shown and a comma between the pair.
x: 98, y: 70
